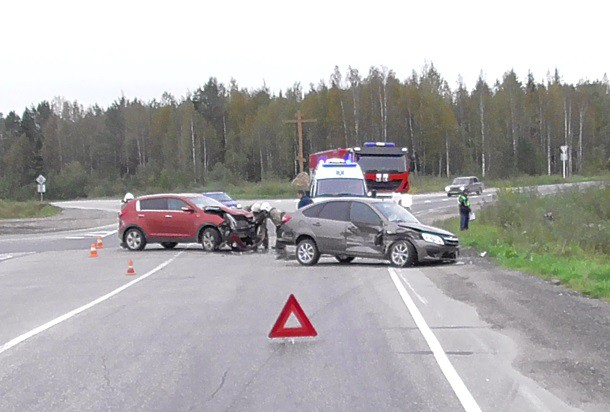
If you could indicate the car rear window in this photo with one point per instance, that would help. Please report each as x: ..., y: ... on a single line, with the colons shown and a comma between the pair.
x: 159, y: 203
x: 335, y: 211
x: 313, y: 211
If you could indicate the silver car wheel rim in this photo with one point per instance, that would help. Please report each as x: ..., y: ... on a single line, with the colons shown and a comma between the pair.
x: 208, y: 240
x: 400, y: 254
x: 133, y: 240
x: 306, y: 253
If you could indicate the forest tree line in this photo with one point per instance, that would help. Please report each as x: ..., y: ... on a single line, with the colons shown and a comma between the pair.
x: 227, y: 133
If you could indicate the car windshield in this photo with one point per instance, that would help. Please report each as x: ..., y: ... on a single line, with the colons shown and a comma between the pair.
x: 394, y: 212
x: 340, y: 187
x: 221, y: 196
x: 396, y: 164
x: 203, y: 201
x: 461, y: 181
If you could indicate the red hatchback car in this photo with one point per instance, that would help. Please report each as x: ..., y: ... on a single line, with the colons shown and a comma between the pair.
x: 170, y: 219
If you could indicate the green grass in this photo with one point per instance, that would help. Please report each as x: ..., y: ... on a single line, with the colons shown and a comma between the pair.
x: 22, y: 210
x: 573, y: 247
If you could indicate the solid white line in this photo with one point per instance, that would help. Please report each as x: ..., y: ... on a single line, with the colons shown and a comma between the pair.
x: 74, y: 237
x: 468, y: 402
x: 89, y: 305
x: 421, y: 298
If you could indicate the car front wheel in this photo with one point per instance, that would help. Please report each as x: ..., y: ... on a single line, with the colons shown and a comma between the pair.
x: 402, y: 254
x: 134, y: 239
x: 210, y: 239
x: 307, y: 252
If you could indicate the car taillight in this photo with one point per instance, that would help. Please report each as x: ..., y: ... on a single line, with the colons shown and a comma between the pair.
x: 286, y: 219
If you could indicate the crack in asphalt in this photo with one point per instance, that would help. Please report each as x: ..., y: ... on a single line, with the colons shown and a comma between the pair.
x: 106, y: 374
x: 222, y: 383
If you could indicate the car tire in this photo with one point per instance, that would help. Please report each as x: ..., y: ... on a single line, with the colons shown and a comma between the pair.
x: 402, y: 254
x: 344, y: 259
x: 134, y: 239
x: 307, y: 252
x: 169, y: 245
x: 479, y: 192
x: 448, y: 194
x: 210, y: 239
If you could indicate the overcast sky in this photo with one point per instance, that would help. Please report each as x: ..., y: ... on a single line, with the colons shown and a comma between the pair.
x: 94, y: 51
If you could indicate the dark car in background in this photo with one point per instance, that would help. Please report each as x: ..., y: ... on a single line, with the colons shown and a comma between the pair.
x: 170, y: 219
x: 370, y: 228
x: 223, y: 198
x: 467, y: 184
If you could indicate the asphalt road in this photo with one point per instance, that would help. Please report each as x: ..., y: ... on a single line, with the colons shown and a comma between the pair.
x: 189, y: 331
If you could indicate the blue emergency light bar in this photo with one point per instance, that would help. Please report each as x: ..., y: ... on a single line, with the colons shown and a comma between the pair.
x: 339, y: 164
x: 379, y: 144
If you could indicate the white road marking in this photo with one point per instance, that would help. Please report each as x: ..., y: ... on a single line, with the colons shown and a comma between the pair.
x: 7, y: 256
x: 466, y: 399
x: 421, y: 298
x: 83, y: 308
x: 102, y: 234
x: 427, y: 201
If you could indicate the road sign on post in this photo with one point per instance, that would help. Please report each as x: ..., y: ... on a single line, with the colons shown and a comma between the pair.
x: 564, y: 158
x: 41, y: 185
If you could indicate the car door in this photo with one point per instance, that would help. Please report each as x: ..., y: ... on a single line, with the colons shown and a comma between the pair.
x: 329, y: 227
x: 178, y: 223
x: 363, y: 234
x: 151, y: 216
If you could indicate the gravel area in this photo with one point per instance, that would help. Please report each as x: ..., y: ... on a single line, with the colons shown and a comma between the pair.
x: 67, y: 219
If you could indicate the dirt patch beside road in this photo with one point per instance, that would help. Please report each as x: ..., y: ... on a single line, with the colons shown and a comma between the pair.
x: 68, y: 219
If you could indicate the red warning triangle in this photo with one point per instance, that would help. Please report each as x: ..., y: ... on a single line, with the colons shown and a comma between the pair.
x: 280, y: 330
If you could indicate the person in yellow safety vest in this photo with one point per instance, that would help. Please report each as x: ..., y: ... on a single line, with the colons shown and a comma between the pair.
x: 464, y: 205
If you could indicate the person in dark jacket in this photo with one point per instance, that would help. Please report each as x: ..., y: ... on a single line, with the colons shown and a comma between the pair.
x: 464, y: 205
x: 305, y: 200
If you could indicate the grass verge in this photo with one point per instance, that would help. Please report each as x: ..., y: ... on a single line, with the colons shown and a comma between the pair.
x: 22, y: 210
x: 564, y: 237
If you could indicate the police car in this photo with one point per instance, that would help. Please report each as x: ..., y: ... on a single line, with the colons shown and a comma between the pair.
x: 337, y: 178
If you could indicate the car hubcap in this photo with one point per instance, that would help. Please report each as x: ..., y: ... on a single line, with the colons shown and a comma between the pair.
x: 400, y: 254
x: 133, y: 240
x: 306, y: 253
x: 208, y: 241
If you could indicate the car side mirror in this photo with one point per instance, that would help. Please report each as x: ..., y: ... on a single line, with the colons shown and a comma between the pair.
x: 187, y: 209
x: 212, y: 209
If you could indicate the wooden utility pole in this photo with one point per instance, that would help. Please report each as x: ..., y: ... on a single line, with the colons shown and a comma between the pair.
x: 299, y: 121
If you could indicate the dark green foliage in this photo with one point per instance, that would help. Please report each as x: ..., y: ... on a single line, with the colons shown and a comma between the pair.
x: 224, y: 134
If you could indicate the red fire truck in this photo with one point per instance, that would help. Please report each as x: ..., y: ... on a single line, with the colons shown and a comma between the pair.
x: 385, y: 166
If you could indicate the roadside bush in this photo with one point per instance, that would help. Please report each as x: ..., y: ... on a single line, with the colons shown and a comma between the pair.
x: 71, y: 183
x: 106, y: 188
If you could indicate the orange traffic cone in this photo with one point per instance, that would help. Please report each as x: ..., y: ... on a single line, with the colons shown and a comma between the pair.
x: 100, y: 245
x: 93, y: 252
x: 130, y: 270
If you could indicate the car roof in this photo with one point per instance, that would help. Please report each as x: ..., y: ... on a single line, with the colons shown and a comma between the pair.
x: 354, y: 198
x: 169, y: 194
x: 213, y: 193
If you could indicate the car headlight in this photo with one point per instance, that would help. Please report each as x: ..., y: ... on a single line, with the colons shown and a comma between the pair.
x: 429, y: 237
x: 447, y: 188
x: 462, y: 188
x: 232, y: 222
